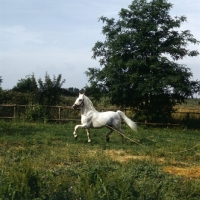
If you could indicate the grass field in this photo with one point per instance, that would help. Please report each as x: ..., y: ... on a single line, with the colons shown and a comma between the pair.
x: 191, y: 104
x: 43, y: 161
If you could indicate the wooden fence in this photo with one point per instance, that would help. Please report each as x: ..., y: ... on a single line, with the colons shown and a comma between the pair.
x: 55, y: 113
x: 66, y: 113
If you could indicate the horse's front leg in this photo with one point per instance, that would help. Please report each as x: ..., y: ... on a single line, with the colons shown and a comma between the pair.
x: 77, y: 127
x: 88, y: 134
x: 82, y: 126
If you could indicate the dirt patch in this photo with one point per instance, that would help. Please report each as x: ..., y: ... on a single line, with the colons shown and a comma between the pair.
x: 122, y: 156
x: 190, y: 172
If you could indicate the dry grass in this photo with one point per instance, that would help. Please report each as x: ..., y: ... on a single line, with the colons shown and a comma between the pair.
x: 190, y: 172
x: 123, y: 157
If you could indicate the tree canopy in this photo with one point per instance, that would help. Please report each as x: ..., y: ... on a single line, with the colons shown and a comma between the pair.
x: 138, y: 60
x: 27, y: 84
x: 50, y: 90
x: 47, y: 92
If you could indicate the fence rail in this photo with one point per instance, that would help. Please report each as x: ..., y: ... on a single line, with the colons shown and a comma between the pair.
x: 66, y: 113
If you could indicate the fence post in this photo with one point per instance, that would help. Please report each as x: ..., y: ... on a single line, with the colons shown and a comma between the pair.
x: 59, y: 113
x: 14, y: 111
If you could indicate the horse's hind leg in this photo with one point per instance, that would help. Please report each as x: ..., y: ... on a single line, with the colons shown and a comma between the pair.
x: 107, y: 135
x: 119, y: 130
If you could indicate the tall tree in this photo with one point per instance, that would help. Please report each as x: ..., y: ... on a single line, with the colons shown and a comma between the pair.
x: 50, y: 90
x: 138, y: 60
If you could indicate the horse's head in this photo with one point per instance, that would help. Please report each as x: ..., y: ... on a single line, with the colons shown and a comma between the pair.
x: 79, y: 102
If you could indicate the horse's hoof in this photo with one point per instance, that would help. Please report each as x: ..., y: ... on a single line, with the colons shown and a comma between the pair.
x: 75, y: 137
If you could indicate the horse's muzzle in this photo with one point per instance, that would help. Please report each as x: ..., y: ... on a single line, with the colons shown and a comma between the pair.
x: 75, y: 106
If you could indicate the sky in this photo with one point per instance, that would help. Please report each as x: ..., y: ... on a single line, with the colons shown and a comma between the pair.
x: 57, y: 36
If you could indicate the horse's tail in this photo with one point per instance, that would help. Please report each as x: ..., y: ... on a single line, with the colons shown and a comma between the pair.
x: 128, y: 121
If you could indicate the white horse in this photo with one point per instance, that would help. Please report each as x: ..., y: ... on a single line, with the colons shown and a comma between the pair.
x: 91, y: 118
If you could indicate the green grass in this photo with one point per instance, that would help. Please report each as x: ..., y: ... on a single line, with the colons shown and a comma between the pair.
x: 43, y: 161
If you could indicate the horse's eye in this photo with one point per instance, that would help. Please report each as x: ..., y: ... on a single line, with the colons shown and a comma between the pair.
x: 80, y: 99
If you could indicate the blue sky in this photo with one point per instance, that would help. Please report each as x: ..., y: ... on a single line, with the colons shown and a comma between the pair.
x: 56, y: 36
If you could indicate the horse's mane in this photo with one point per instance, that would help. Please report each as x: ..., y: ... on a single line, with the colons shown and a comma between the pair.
x: 90, y: 104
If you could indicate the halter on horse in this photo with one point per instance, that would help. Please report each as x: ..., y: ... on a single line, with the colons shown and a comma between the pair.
x: 91, y: 118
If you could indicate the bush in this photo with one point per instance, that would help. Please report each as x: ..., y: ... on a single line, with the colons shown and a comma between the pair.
x: 35, y: 113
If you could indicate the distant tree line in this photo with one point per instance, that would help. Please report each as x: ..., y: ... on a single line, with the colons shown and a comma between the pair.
x: 28, y: 90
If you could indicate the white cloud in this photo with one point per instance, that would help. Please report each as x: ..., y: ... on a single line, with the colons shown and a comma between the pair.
x: 17, y: 37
